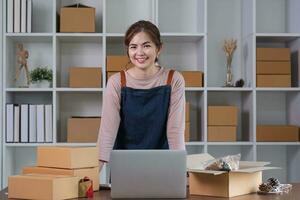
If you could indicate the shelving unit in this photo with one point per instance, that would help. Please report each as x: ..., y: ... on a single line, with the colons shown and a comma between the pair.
x: 192, y: 32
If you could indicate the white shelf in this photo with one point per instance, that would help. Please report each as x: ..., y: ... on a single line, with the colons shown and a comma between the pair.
x: 277, y: 37
x: 232, y: 89
x: 237, y: 143
x: 79, y: 89
x: 277, y: 89
x: 30, y: 37
x: 193, y: 143
x: 190, y: 89
x: 29, y: 90
x: 28, y: 144
x: 278, y: 143
x: 79, y: 37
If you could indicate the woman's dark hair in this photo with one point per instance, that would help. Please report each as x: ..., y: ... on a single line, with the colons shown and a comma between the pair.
x: 143, y: 26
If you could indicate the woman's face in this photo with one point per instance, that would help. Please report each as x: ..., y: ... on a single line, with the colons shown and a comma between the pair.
x: 142, y: 51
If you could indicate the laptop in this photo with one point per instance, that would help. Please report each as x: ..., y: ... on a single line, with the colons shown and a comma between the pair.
x: 148, y: 174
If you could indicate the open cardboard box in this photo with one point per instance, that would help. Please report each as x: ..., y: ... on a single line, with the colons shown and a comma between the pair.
x: 221, y: 183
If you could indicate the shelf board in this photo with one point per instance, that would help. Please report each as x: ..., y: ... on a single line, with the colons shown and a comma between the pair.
x: 188, y: 89
x: 277, y: 37
x: 28, y: 144
x: 194, y: 143
x: 30, y: 37
x: 233, y: 89
x: 278, y: 89
x: 278, y: 143
x: 120, y: 35
x: 79, y: 89
x: 76, y: 144
x: 237, y: 143
x: 80, y: 37
x: 29, y: 89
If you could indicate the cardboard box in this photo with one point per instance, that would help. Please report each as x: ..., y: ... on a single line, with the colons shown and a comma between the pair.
x: 265, y: 67
x: 277, y: 133
x: 187, y: 132
x: 273, y: 80
x: 37, y: 186
x: 193, y: 78
x: 273, y: 54
x: 67, y: 157
x: 220, y: 183
x: 222, y: 115
x: 117, y: 63
x: 187, y: 111
x: 221, y: 133
x: 83, y: 129
x: 109, y: 74
x: 85, y: 77
x: 92, y: 173
x: 77, y: 19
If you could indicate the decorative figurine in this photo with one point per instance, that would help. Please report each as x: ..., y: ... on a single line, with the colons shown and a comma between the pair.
x: 22, y: 57
x: 239, y: 83
x: 229, y: 48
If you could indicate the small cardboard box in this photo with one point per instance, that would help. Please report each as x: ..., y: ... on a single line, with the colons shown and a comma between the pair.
x: 220, y: 183
x: 273, y: 54
x: 67, y: 157
x: 83, y: 129
x: 117, y: 63
x: 92, y: 173
x: 77, y: 19
x: 85, y: 77
x: 273, y: 80
x: 187, y: 111
x: 265, y: 67
x: 193, y: 78
x: 222, y: 115
x: 37, y: 186
x: 221, y: 133
x: 187, y: 132
x: 277, y: 133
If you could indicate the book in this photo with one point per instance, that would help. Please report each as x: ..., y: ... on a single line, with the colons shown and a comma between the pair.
x: 32, y: 123
x: 9, y: 123
x: 16, y: 123
x: 48, y: 123
x: 40, y: 123
x: 24, y: 123
x: 17, y: 16
x: 29, y: 16
x: 10, y: 16
x: 23, y: 15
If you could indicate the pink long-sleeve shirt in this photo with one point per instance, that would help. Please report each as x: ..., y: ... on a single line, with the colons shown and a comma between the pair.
x: 111, y: 109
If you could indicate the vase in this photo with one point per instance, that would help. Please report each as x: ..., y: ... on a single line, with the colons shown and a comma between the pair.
x: 40, y: 84
x: 229, y: 76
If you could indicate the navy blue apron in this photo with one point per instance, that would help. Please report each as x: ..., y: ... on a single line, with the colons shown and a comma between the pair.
x: 144, y: 116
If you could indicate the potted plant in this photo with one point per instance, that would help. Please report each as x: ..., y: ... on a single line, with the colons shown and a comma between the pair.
x: 41, y: 77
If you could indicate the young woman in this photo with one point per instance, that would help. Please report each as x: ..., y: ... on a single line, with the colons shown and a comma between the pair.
x: 144, y: 106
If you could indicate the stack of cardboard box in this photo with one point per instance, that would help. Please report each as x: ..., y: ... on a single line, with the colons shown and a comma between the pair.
x: 222, y: 123
x: 273, y: 67
x: 116, y: 64
x: 277, y: 133
x: 83, y: 129
x: 193, y: 78
x: 57, y: 173
x: 85, y: 77
x: 187, y: 122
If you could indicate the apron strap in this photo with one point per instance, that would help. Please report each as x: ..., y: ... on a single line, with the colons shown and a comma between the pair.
x: 123, y: 79
x: 170, y: 76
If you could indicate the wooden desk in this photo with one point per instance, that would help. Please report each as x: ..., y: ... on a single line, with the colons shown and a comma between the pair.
x: 293, y: 195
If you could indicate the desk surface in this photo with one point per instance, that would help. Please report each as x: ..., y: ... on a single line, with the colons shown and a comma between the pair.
x: 293, y: 195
